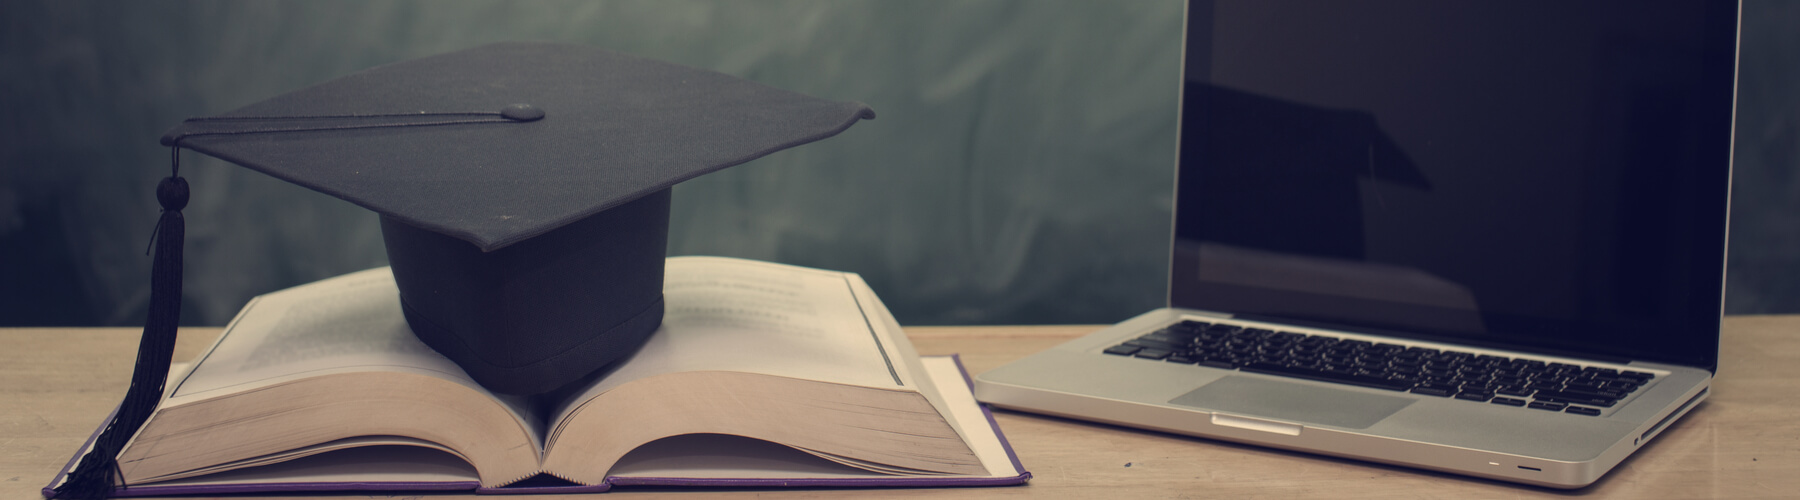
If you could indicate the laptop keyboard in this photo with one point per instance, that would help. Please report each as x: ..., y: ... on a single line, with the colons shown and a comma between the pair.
x: 1466, y: 376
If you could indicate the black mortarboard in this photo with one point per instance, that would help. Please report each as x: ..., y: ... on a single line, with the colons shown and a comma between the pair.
x: 523, y: 188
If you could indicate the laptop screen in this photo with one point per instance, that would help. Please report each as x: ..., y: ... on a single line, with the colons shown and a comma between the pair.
x: 1546, y: 176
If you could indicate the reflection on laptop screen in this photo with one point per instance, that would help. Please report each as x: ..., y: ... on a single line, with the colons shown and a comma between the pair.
x: 1551, y: 176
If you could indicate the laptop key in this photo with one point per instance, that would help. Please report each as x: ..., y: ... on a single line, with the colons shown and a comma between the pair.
x: 1588, y: 393
x: 1605, y: 393
x: 1544, y: 386
x: 1422, y: 351
x: 1168, y: 338
x: 1276, y: 358
x: 1545, y: 405
x: 1150, y: 343
x: 1519, y: 391
x: 1474, y: 396
x: 1578, y: 410
x: 1508, y: 401
x: 1584, y: 384
x: 1151, y: 353
x: 1323, y: 376
x: 1487, y: 360
x: 1224, y: 363
x: 1287, y: 336
x: 1122, y: 350
x: 1564, y: 397
x: 1433, y: 391
x: 1191, y: 325
x: 1387, y: 348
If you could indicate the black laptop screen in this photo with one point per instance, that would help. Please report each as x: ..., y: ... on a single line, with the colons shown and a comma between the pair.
x: 1550, y: 176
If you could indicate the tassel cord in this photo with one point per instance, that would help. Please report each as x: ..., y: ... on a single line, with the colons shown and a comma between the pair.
x: 98, y: 471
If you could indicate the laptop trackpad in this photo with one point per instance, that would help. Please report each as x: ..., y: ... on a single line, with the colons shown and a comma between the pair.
x: 1293, y: 402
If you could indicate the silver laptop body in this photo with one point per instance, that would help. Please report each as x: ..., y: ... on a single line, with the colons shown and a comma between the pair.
x: 1530, y: 198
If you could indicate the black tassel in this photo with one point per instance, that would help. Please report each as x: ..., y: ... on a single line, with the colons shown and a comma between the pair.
x: 98, y: 471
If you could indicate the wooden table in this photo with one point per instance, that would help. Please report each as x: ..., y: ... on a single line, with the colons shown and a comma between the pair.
x: 1744, y: 442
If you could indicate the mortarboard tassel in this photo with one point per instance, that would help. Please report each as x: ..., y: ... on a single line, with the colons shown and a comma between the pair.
x: 98, y: 471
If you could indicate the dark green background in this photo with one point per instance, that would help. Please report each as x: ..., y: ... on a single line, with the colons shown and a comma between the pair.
x: 1020, y: 170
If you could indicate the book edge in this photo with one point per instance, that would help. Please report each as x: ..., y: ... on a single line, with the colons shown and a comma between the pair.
x: 986, y: 411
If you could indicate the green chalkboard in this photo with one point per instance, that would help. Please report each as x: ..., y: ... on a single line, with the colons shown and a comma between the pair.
x: 1020, y: 170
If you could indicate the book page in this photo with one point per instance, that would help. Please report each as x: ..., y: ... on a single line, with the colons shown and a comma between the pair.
x: 739, y: 315
x: 368, y: 465
x: 350, y: 323
x: 713, y: 456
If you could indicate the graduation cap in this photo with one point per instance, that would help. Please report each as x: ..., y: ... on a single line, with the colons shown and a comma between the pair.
x: 523, y: 190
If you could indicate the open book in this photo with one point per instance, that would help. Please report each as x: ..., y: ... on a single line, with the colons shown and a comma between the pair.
x: 762, y: 374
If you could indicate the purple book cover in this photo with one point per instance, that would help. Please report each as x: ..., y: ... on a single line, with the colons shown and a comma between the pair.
x: 276, y: 486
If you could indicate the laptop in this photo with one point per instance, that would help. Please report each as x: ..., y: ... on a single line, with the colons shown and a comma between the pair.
x: 1485, y: 238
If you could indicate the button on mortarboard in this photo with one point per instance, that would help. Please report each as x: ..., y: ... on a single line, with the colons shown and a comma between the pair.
x: 523, y: 188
